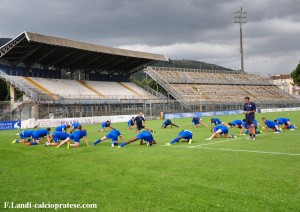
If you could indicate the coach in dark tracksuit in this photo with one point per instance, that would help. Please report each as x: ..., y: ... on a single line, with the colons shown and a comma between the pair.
x: 249, y: 110
x: 138, y: 121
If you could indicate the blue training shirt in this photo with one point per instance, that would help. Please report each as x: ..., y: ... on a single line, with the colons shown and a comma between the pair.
x: 77, y: 135
x: 113, y: 135
x: 271, y: 124
x: 167, y: 122
x: 26, y: 133
x: 130, y: 122
x: 145, y: 135
x: 61, y: 128
x: 59, y: 136
x: 186, y: 134
x: 217, y: 121
x: 105, y: 124
x: 115, y: 132
x: 236, y: 122
x: 42, y: 132
x: 196, y: 120
x: 221, y: 127
x: 283, y: 120
x: 75, y: 125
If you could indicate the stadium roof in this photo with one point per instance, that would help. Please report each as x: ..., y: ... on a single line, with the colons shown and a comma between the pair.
x: 31, y: 48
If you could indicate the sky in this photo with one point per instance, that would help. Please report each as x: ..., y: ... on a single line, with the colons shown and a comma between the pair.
x: 200, y: 30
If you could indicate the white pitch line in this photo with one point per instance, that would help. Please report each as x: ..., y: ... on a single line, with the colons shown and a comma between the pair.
x: 252, y: 151
x: 218, y: 142
x: 200, y: 146
x: 213, y: 142
x: 239, y: 150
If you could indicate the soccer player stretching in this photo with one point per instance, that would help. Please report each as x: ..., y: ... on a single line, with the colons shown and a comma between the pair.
x: 62, y: 128
x: 272, y: 125
x: 167, y: 123
x: 104, y: 125
x: 249, y: 110
x: 23, y: 135
x: 56, y: 137
x: 216, y: 121
x: 130, y: 123
x: 38, y: 134
x: 185, y: 134
x: 75, y: 136
x: 144, y: 135
x: 220, y: 130
x: 75, y: 126
x: 286, y: 123
x: 197, y: 121
x: 113, y: 135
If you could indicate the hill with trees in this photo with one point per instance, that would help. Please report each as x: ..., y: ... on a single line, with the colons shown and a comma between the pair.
x: 191, y: 64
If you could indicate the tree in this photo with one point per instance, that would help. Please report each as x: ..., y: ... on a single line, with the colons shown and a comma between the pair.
x: 3, y: 91
x: 296, y: 75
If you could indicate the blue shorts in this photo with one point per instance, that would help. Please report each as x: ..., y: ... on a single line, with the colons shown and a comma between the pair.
x: 55, y: 138
x: 74, y: 138
x: 273, y: 126
x: 224, y: 132
x: 186, y: 135
x: 165, y: 125
x: 113, y: 137
x: 35, y: 136
x: 145, y: 136
x: 22, y: 136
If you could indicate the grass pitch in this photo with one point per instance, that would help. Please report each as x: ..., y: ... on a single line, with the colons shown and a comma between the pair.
x: 219, y: 175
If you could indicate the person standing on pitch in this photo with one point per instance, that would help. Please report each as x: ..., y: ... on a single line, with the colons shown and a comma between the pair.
x: 249, y: 110
x: 139, y: 123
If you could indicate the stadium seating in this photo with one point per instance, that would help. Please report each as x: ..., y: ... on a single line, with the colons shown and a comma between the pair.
x: 73, y: 89
x: 218, y: 86
x: 226, y: 77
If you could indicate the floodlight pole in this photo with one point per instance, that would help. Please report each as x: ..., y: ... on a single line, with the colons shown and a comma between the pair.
x: 200, y: 105
x: 240, y: 17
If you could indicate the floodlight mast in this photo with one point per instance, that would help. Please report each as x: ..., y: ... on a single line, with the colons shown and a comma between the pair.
x: 240, y: 17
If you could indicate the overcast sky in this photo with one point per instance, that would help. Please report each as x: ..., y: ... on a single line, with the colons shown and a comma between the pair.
x: 180, y: 29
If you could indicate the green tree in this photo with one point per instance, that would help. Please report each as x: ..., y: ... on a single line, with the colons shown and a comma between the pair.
x: 152, y: 84
x: 3, y: 91
x: 296, y: 75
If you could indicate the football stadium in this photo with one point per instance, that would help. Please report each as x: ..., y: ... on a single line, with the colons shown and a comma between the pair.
x: 127, y: 146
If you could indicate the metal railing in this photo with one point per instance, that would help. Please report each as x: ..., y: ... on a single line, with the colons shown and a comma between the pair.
x: 151, y: 90
x: 18, y: 85
x: 167, y: 86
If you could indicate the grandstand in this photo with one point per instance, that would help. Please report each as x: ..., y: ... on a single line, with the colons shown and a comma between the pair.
x: 219, y: 89
x: 67, y: 78
x: 37, y: 64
